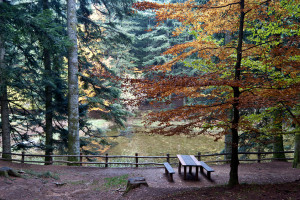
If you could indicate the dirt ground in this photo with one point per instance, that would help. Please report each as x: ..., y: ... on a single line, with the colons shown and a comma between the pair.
x: 273, y: 180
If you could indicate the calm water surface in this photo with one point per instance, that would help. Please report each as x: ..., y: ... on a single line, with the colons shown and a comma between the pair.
x: 154, y: 145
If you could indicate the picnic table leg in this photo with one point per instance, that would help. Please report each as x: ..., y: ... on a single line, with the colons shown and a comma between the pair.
x: 179, y: 168
x: 208, y: 175
x: 201, y: 169
x: 184, y: 176
x: 197, y: 173
x: 190, y: 170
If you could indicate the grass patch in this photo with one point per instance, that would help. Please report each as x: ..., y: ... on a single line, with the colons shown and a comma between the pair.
x: 46, y: 174
x: 117, y: 181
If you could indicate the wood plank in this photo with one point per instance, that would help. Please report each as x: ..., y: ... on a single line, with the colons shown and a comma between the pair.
x: 181, y: 160
x: 195, y: 160
x: 188, y: 160
x: 169, y: 168
x: 207, y: 168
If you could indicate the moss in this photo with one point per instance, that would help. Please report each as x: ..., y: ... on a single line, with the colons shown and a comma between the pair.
x: 4, y: 173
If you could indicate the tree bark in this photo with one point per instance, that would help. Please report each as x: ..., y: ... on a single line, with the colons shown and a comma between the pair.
x: 233, y: 179
x: 48, y: 103
x: 278, y: 138
x: 278, y: 147
x: 48, y: 109
x: 296, y: 162
x: 5, y: 126
x: 73, y: 111
x: 228, y: 146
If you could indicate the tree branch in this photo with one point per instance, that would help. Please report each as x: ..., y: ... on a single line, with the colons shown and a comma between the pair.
x: 289, y: 111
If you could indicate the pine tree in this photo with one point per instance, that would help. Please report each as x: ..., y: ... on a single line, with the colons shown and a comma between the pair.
x: 5, y: 125
x: 73, y: 107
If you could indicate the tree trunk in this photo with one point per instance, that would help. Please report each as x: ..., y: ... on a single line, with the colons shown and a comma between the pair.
x: 296, y: 162
x: 278, y: 138
x: 48, y: 108
x: 278, y: 147
x: 6, y: 146
x: 48, y: 103
x: 228, y: 146
x: 233, y: 179
x: 73, y: 112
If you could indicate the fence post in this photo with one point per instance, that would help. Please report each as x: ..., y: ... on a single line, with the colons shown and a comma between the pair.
x: 199, y: 156
x: 80, y: 158
x: 23, y: 157
x: 106, y: 160
x: 136, y: 160
x: 258, y: 155
x: 168, y: 157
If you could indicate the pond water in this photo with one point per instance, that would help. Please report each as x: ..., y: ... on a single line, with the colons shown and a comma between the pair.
x: 138, y: 141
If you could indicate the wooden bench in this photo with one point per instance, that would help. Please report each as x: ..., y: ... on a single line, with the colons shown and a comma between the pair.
x: 169, y: 170
x: 207, y: 168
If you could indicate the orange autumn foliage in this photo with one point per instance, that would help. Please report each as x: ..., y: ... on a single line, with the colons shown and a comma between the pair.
x: 259, y: 84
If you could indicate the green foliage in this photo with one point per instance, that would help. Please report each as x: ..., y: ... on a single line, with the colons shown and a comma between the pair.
x: 28, y: 29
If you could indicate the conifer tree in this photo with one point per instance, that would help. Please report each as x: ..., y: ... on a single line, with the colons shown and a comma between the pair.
x: 5, y: 125
x: 73, y: 106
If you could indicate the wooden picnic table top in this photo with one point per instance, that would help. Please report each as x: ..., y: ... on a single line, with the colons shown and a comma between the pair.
x: 188, y: 160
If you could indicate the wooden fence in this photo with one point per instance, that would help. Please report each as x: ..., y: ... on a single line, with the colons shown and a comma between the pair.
x: 136, y: 159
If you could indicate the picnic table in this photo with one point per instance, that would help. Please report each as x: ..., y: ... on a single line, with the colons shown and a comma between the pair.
x: 188, y: 161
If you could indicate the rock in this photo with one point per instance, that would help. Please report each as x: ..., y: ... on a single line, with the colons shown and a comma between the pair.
x: 135, y: 182
x: 59, y: 184
x: 6, y: 171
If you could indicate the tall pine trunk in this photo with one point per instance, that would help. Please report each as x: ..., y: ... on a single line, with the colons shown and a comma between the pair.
x: 5, y: 126
x: 48, y: 103
x: 233, y: 179
x: 73, y: 112
x: 48, y: 108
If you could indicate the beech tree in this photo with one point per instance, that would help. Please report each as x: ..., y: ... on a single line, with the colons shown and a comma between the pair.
x: 239, y: 75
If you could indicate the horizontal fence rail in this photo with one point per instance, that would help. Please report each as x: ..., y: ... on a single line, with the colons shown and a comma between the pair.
x: 136, y: 159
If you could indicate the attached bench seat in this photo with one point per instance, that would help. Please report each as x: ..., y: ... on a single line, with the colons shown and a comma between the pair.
x: 169, y: 170
x: 206, y: 167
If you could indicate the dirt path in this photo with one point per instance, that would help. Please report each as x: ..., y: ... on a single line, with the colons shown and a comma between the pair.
x: 108, y: 183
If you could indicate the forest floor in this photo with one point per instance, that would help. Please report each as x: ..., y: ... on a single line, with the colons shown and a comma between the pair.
x: 273, y: 180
